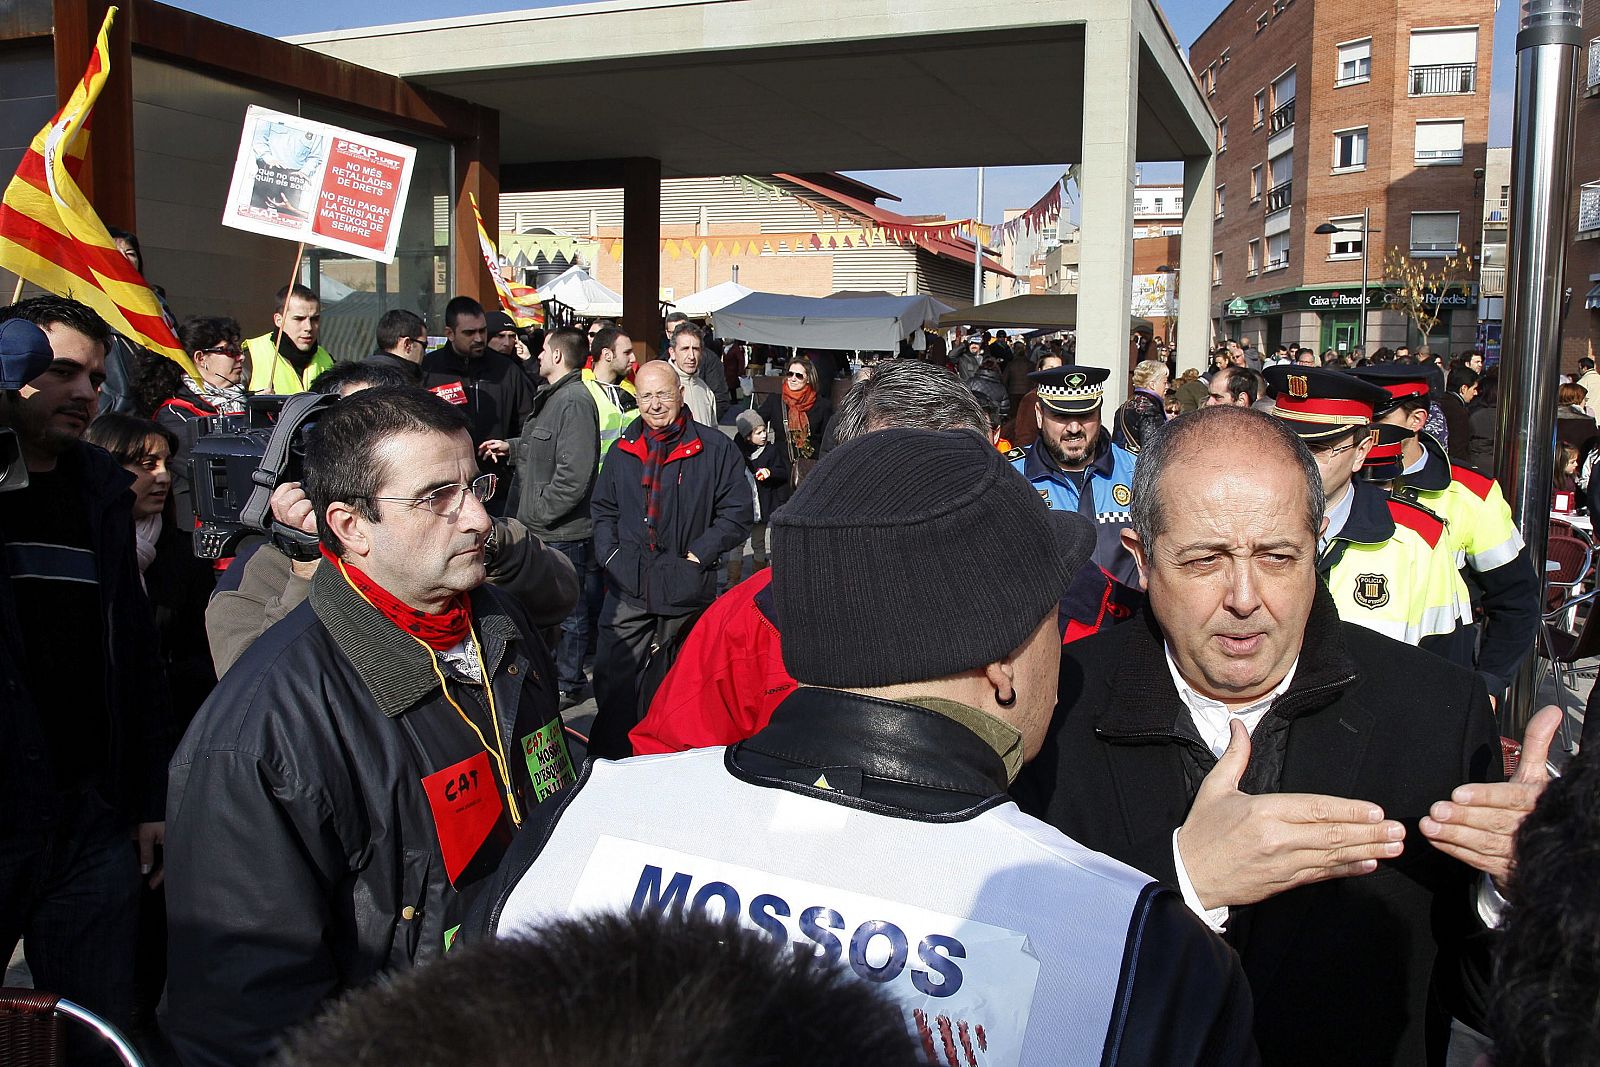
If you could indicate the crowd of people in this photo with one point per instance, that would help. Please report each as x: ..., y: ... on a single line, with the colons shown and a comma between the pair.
x: 1036, y: 733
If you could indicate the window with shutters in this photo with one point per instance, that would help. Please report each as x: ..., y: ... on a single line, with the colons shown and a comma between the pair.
x: 1222, y: 135
x: 1216, y: 268
x: 1259, y: 113
x: 1444, y: 62
x: 1222, y: 191
x: 1355, y: 62
x: 1439, y: 141
x: 1435, y: 233
x: 1277, y: 251
x: 1255, y: 183
x: 1252, y: 262
x: 1350, y: 149
x: 1282, y: 102
x: 1345, y: 244
x: 1261, y: 22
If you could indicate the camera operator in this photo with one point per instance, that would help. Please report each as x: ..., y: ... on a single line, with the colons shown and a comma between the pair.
x: 270, y: 585
x: 85, y: 734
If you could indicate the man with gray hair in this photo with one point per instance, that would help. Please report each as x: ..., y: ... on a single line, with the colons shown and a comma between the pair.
x: 1247, y: 747
x: 729, y: 675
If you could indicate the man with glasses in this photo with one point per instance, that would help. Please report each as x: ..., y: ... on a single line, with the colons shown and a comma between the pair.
x: 670, y: 500
x: 366, y: 762
x: 402, y: 339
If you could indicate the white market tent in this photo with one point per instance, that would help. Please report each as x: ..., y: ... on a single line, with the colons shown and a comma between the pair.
x: 578, y: 289
x: 868, y: 324
x: 699, y: 305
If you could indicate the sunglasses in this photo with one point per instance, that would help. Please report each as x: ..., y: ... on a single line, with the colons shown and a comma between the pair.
x: 797, y: 375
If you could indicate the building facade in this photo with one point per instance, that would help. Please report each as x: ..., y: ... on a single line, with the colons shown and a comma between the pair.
x: 1370, y: 116
x: 1580, y: 334
x: 754, y: 230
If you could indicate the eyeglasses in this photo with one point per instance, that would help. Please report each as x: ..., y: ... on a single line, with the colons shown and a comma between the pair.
x: 656, y: 398
x: 232, y: 351
x: 1334, y: 451
x: 420, y: 342
x: 447, y: 500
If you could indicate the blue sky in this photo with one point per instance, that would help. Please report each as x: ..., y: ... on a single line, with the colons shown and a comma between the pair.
x: 948, y: 192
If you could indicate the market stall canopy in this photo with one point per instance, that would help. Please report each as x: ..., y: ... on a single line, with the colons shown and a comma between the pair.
x: 868, y: 324
x: 1032, y: 311
x: 699, y: 305
x: 578, y: 290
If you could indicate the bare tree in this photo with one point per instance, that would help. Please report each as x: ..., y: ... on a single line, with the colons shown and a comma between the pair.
x: 1420, y: 285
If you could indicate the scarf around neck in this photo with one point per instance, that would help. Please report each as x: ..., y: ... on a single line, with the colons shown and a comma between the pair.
x: 227, y: 399
x: 798, y: 405
x: 658, y: 445
x: 439, y: 632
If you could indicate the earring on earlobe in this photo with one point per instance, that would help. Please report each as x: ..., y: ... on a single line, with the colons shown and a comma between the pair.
x: 1006, y: 701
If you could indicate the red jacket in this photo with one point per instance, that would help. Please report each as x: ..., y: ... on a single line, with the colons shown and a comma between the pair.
x: 729, y: 674
x: 727, y: 678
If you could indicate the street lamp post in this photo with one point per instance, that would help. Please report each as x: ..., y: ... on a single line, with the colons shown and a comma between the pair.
x: 1366, y: 231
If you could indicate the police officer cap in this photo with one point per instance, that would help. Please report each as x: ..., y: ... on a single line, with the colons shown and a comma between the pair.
x: 498, y: 322
x: 1400, y: 381
x: 1315, y: 402
x: 1071, y: 389
x: 1386, y: 459
x: 24, y: 353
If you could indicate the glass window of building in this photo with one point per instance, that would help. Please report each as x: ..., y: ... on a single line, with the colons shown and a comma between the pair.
x: 1439, y: 141
x: 1355, y: 62
x: 1435, y: 233
x: 1350, y: 149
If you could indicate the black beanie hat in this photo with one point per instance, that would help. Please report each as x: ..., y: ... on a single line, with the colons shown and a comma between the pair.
x: 909, y: 555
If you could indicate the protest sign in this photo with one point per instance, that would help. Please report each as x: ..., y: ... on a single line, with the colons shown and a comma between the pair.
x: 319, y: 184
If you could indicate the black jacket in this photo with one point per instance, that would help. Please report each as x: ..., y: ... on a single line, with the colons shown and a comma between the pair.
x: 491, y: 389
x: 557, y: 456
x: 412, y: 371
x: 303, y: 858
x: 706, y: 509
x: 1342, y: 971
x: 1458, y: 426
x: 1182, y: 998
x: 137, y: 703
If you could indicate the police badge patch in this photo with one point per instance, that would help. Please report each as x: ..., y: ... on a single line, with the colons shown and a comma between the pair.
x: 1372, y: 590
x: 1122, y: 495
x: 1044, y: 494
x: 1299, y: 386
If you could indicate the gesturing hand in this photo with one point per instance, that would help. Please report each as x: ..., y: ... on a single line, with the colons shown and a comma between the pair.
x: 1478, y: 824
x: 1239, y: 849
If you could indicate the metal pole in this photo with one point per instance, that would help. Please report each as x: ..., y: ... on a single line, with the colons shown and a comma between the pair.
x: 1530, y: 363
x: 977, y: 247
x: 1366, y: 239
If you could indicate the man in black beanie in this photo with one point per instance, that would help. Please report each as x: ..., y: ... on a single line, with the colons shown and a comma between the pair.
x: 916, y: 580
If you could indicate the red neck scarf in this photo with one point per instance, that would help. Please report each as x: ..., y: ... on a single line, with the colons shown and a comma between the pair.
x: 799, y: 407
x: 658, y: 444
x: 439, y: 632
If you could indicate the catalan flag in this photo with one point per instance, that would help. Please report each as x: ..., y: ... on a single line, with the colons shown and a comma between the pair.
x: 51, y: 236
x: 516, y: 301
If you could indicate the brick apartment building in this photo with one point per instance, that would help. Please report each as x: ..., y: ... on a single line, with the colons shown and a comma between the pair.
x: 1328, y: 109
x: 1580, y: 335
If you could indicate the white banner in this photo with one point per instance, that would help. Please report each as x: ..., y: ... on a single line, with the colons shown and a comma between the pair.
x: 1152, y: 296
x: 307, y: 181
x: 967, y: 987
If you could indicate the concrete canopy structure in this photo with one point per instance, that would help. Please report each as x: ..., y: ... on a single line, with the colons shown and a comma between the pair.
x: 621, y: 93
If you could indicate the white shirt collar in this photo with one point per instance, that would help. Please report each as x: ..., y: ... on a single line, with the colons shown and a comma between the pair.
x: 1211, y: 717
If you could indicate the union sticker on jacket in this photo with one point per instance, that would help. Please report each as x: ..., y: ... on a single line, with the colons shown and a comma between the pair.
x: 966, y: 987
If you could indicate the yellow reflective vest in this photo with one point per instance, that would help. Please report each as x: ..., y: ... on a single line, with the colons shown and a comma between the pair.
x: 271, y: 373
x: 1385, y: 569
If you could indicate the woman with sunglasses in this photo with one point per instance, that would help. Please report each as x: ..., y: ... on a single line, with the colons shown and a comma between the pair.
x: 799, y: 415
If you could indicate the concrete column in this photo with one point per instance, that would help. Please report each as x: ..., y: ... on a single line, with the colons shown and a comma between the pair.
x: 477, y: 171
x: 1110, y: 120
x: 1194, y: 257
x: 641, y: 255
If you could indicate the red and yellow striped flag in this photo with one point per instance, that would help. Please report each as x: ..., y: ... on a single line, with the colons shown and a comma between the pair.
x: 51, y: 236
x: 516, y: 301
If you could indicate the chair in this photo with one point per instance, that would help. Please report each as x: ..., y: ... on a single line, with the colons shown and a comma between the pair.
x: 31, y: 1031
x: 1574, y: 555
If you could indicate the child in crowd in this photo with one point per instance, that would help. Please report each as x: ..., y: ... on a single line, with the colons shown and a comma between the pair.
x: 769, y: 475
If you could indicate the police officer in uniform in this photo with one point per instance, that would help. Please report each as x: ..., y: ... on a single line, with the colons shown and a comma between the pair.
x: 1075, y: 466
x: 1377, y: 553
x: 1478, y: 526
x: 867, y: 821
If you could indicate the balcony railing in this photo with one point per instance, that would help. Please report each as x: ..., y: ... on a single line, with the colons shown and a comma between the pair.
x: 1594, y: 64
x: 1497, y: 211
x: 1444, y: 79
x: 1440, y: 155
x: 1492, y: 282
x: 1277, y: 263
x: 1279, y: 196
x: 1589, y: 207
x: 1282, y: 118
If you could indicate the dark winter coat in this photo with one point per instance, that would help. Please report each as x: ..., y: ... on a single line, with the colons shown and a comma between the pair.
x: 706, y: 509
x: 303, y: 858
x: 557, y: 457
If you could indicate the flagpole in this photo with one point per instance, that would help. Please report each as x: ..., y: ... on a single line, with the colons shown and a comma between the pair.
x: 16, y: 294
x: 977, y: 248
x: 288, y: 295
